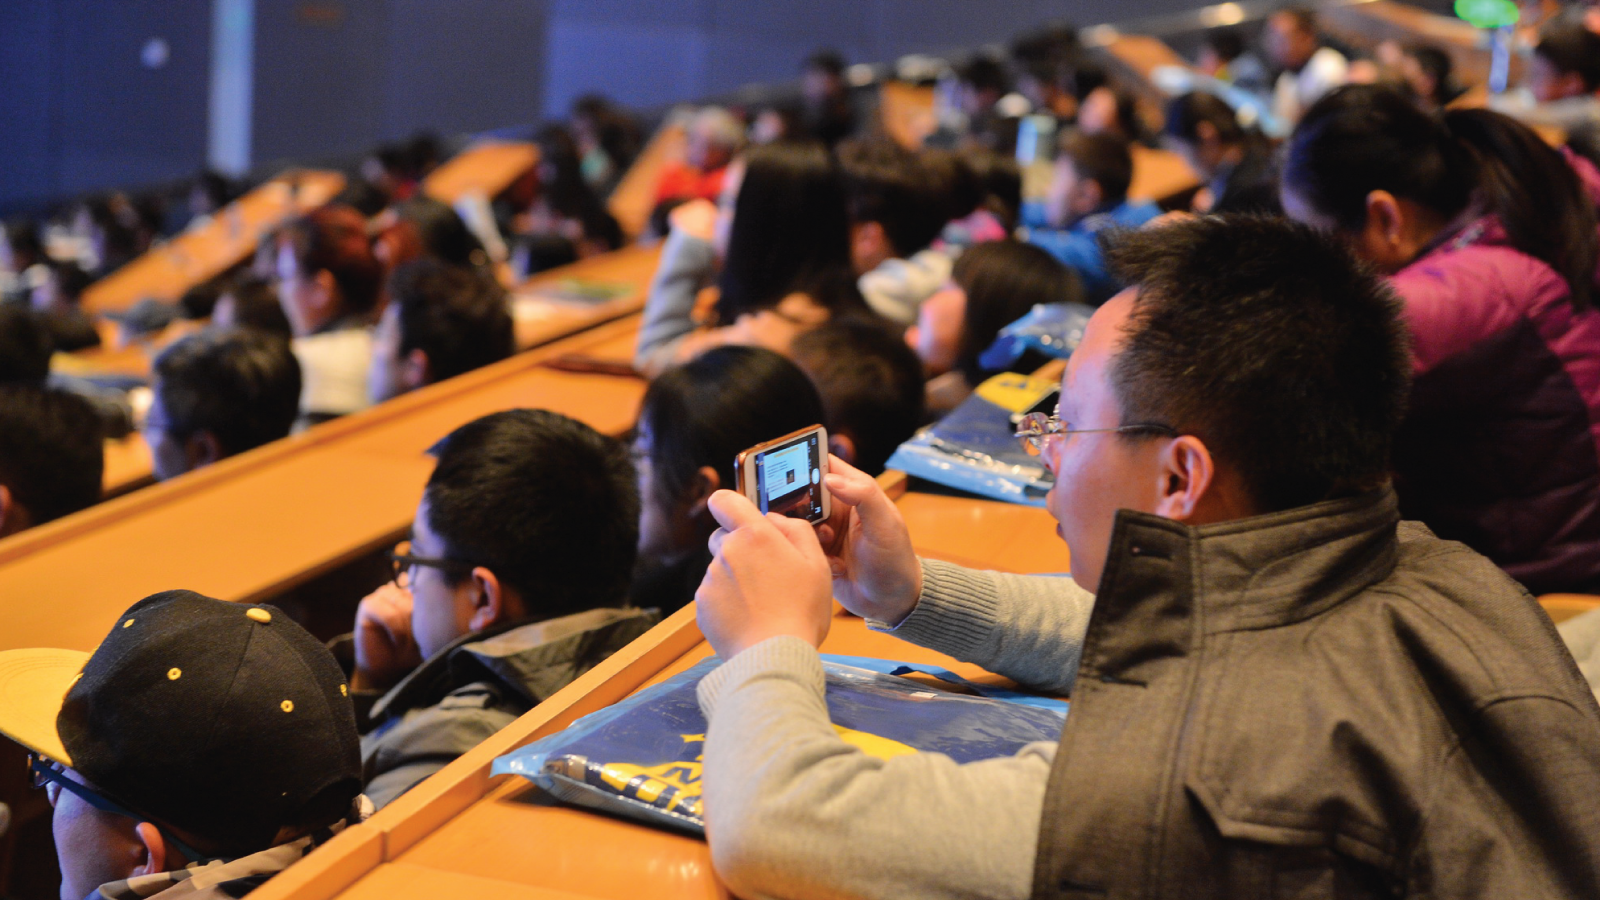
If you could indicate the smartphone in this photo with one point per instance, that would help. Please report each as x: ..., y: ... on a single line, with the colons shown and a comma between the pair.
x: 785, y: 475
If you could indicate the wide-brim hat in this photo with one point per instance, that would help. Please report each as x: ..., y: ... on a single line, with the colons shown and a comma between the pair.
x: 33, y: 686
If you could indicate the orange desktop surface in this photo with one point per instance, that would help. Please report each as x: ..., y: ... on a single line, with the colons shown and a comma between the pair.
x: 463, y: 831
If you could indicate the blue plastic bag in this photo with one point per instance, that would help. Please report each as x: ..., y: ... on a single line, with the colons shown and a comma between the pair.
x: 641, y: 758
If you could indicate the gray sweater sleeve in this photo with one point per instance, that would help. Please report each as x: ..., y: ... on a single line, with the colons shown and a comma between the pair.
x: 1029, y: 628
x: 685, y: 267
x: 794, y: 811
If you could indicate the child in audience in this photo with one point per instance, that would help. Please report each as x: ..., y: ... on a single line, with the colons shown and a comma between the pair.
x: 898, y: 206
x: 56, y: 299
x: 514, y: 582
x: 328, y: 283
x: 871, y: 387
x: 1237, y: 163
x: 1489, y: 236
x: 694, y: 421
x: 218, y: 393
x: 783, y: 236
x: 441, y: 321
x: 52, y: 456
x: 1309, y: 67
x: 1088, y: 195
x: 992, y: 286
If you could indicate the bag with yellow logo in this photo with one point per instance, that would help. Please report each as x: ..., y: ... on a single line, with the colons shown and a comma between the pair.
x: 641, y: 758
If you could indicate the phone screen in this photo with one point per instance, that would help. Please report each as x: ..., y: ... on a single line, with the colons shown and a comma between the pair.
x: 789, y: 478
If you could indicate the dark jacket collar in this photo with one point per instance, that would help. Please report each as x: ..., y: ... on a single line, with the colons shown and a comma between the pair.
x: 1166, y: 584
x: 530, y: 659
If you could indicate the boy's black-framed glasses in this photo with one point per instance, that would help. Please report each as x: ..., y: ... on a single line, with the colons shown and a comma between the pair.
x: 51, y: 777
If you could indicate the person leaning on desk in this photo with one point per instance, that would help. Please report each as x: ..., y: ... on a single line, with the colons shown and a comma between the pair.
x: 1279, y: 688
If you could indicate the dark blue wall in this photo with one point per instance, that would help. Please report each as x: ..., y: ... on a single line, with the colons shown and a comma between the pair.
x: 79, y: 111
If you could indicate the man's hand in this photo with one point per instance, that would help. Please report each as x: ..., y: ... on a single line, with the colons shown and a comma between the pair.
x: 697, y: 218
x: 385, y: 648
x: 768, y: 578
x: 876, y: 574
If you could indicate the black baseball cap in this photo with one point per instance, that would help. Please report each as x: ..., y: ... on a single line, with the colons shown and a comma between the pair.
x: 226, y: 720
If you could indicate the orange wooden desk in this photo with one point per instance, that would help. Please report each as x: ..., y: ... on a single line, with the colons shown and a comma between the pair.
x: 487, y: 169
x: 1159, y: 174
x: 128, y: 465
x: 260, y: 523
x: 460, y: 831
x: 166, y: 271
x: 634, y: 197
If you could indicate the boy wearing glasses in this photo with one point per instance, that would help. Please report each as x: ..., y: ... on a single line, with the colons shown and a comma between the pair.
x: 203, y: 747
x: 514, y: 582
x: 1278, y: 688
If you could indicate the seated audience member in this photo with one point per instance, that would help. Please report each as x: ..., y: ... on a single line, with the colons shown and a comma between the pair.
x: 566, y: 220
x: 778, y: 121
x: 251, y: 302
x: 1243, y: 593
x: 827, y: 112
x: 975, y: 216
x: 109, y: 227
x: 608, y: 139
x: 515, y: 582
x: 441, y: 321
x: 979, y: 120
x: 202, y: 748
x: 423, y: 227
x: 1048, y: 61
x: 218, y: 393
x: 1088, y: 195
x: 52, y: 456
x: 1428, y: 72
x: 22, y: 261
x: 56, y: 299
x: 783, y: 236
x: 328, y: 283
x: 1106, y: 110
x: 992, y: 286
x: 693, y: 423
x: 1563, y: 80
x: 1223, y: 56
x: 713, y: 139
x: 1500, y: 300
x: 871, y: 388
x: 898, y: 205
x: 25, y: 356
x: 1237, y: 163
x: 1309, y: 68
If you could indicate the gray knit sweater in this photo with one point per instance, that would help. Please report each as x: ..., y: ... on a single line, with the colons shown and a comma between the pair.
x: 795, y: 812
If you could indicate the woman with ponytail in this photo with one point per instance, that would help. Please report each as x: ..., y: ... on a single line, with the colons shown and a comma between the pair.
x: 1489, y: 237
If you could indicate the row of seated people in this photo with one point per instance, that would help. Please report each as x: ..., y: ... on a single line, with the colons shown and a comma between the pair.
x: 1250, y: 386
x: 1269, y: 669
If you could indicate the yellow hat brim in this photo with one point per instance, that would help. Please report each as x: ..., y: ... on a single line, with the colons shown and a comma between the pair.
x: 33, y: 685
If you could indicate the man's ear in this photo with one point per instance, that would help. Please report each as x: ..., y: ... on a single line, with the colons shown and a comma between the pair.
x: 843, y: 447
x: 415, y: 370
x: 490, y: 601
x: 156, y: 856
x: 202, y: 449
x: 1186, y: 472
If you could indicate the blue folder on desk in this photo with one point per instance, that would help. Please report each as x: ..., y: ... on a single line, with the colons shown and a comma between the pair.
x: 641, y: 758
x: 975, y: 447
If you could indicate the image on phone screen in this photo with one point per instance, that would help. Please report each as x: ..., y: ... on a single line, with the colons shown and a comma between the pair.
x: 789, y: 479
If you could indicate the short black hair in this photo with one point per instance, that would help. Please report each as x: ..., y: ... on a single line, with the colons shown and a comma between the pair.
x: 1184, y: 115
x: 870, y: 383
x: 1571, y: 47
x: 1002, y: 281
x: 545, y: 502
x: 825, y: 60
x: 256, y: 305
x: 1305, y: 18
x: 25, y: 345
x: 459, y: 317
x: 70, y: 278
x: 985, y: 74
x: 240, y: 384
x: 1270, y: 342
x: 1105, y: 159
x: 51, y: 455
x: 708, y: 410
x: 890, y: 185
x: 1227, y: 43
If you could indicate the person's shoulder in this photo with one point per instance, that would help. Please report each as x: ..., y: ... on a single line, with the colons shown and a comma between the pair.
x: 1133, y: 213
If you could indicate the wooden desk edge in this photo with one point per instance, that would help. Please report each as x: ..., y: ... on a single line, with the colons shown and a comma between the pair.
x: 343, y: 861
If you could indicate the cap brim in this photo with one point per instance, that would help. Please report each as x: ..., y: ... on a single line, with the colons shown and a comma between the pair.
x: 33, y: 685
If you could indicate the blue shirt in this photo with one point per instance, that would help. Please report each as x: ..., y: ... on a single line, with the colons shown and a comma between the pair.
x: 1079, y: 245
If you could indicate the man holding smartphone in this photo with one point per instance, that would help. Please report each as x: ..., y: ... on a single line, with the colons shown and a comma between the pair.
x: 1278, y: 688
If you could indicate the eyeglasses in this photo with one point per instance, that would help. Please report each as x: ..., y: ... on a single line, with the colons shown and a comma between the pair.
x: 401, y: 561
x: 1037, y: 428
x: 52, y: 777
